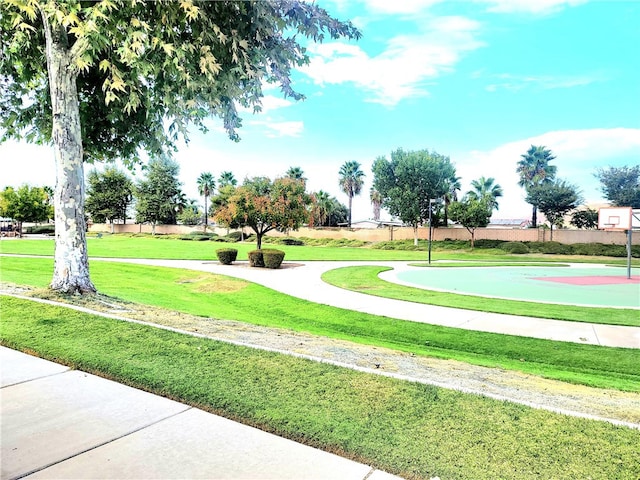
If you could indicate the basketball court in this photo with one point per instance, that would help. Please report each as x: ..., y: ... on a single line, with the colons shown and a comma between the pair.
x: 585, y: 285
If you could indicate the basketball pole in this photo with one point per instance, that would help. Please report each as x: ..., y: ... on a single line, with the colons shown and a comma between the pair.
x: 629, y: 253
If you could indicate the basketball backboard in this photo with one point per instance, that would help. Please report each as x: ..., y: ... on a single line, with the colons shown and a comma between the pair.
x: 614, y: 218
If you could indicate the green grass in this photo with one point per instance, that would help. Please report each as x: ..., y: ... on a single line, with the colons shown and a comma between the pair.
x: 166, y: 247
x: 365, y: 280
x: 444, y: 264
x: 216, y: 296
x: 410, y: 429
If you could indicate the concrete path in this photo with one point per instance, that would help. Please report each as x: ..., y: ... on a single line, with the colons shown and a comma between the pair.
x: 61, y: 423
x: 303, y: 280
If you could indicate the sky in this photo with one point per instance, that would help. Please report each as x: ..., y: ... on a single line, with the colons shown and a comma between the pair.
x: 477, y: 80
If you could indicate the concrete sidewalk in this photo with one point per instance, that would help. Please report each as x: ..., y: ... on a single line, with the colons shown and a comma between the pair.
x: 304, y: 281
x: 61, y: 423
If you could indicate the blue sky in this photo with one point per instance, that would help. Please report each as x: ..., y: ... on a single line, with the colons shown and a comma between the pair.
x: 477, y: 80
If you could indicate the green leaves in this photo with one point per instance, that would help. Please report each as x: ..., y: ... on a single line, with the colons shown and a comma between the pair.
x: 141, y: 64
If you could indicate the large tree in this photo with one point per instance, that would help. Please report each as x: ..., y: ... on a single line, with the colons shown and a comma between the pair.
x: 26, y: 204
x: 264, y: 205
x: 351, y: 181
x: 108, y: 195
x: 101, y: 80
x: 410, y: 182
x: 206, y: 184
x: 555, y: 200
x: 158, y: 195
x: 472, y: 213
x: 620, y: 185
x: 534, y: 170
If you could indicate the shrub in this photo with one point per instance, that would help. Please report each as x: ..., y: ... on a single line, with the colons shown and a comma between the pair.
x: 518, y: 248
x: 255, y: 258
x: 291, y: 241
x: 556, y: 248
x: 227, y: 256
x: 42, y: 229
x: 486, y: 243
x: 198, y: 237
x: 238, y: 236
x: 272, y: 258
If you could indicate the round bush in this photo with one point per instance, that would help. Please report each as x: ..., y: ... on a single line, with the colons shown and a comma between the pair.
x: 556, y: 248
x: 255, y: 258
x: 272, y: 258
x: 517, y: 248
x: 227, y: 256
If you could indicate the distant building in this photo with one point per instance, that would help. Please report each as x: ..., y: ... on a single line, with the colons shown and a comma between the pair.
x: 509, y: 223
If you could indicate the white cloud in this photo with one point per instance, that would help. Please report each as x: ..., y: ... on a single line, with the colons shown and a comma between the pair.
x: 546, y: 82
x: 280, y: 129
x: 403, y: 68
x: 269, y: 103
x: 578, y: 154
x: 539, y: 7
x: 399, y: 6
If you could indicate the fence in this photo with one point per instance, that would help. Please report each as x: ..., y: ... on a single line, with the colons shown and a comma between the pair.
x: 403, y: 233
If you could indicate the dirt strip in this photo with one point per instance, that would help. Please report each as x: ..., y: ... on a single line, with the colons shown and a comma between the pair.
x: 577, y: 400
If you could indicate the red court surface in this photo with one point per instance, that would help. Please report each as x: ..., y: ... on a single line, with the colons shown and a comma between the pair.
x: 592, y: 280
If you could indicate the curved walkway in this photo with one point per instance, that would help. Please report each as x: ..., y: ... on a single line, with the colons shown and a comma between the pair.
x: 303, y: 280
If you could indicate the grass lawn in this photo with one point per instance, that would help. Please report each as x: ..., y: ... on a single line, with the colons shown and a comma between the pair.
x: 124, y: 246
x: 365, y: 280
x: 217, y: 296
x: 410, y: 429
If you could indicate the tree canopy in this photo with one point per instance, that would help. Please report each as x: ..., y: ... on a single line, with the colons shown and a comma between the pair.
x: 471, y: 213
x: 158, y: 195
x: 621, y: 186
x: 106, y: 79
x: 26, y: 204
x: 486, y: 189
x: 410, y: 180
x: 264, y: 205
x: 108, y: 195
x: 555, y: 200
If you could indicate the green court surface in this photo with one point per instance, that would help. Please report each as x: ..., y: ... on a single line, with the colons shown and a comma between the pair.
x: 588, y: 286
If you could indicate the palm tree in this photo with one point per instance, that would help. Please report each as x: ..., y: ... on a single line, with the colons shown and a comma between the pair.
x: 351, y: 181
x: 376, y: 201
x: 485, y: 189
x: 452, y: 185
x: 534, y: 170
x: 322, y: 207
x: 206, y: 184
x: 296, y: 173
x: 227, y: 178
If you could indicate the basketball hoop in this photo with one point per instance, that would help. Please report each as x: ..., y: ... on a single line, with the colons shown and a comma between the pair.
x: 618, y: 219
x: 615, y: 219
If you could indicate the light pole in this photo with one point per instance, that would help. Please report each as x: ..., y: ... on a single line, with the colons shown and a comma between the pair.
x: 431, y: 202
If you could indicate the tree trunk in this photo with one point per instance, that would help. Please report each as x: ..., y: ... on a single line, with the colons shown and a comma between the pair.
x: 415, y: 235
x: 205, y: 214
x: 534, y: 217
x: 258, y: 240
x: 350, y: 203
x: 71, y: 265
